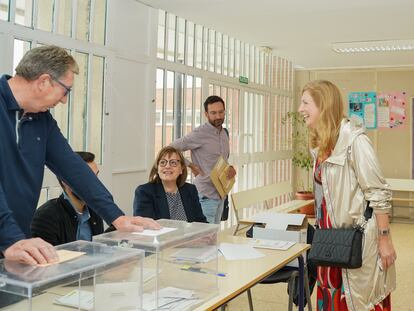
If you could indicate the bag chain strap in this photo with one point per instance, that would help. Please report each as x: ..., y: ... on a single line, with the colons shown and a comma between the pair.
x: 362, y: 222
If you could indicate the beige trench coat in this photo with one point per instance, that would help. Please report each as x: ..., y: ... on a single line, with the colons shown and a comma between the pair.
x: 351, y: 176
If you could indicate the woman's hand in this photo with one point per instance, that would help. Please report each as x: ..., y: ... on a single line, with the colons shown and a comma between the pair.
x: 385, y: 248
x: 386, y: 251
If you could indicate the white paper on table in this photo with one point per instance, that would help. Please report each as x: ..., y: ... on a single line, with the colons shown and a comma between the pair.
x: 272, y: 244
x: 175, y: 292
x: 183, y: 305
x: 117, y: 296
x: 149, y: 232
x: 77, y: 299
x: 232, y: 251
x: 169, y: 298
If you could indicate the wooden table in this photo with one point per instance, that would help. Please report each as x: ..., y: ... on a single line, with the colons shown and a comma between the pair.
x: 244, y: 274
x: 402, y: 186
x: 240, y: 276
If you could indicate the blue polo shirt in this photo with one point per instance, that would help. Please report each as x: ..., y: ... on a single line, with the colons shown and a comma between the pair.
x: 27, y: 144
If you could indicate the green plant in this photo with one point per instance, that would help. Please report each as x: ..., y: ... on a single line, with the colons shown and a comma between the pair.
x: 301, y: 155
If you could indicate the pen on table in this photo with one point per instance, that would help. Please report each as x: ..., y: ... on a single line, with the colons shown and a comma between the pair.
x: 201, y: 270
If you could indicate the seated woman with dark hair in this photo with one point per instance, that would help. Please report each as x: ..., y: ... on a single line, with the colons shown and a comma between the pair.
x: 167, y: 195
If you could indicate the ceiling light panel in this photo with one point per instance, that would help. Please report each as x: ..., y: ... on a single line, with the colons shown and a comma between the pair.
x: 374, y: 46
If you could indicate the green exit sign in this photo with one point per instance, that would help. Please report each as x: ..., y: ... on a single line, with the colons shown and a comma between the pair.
x: 244, y: 80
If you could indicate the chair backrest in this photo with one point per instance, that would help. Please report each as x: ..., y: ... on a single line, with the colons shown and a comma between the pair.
x: 249, y: 197
x: 401, y: 184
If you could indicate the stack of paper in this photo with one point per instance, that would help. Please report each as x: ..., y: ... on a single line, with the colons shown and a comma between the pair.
x: 271, y: 244
x: 171, y: 299
x: 196, y: 254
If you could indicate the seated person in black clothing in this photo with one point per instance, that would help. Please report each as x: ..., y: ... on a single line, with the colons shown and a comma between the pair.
x: 67, y: 218
x: 167, y: 195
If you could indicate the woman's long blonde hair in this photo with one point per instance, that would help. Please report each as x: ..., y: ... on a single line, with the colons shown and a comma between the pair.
x: 328, y: 99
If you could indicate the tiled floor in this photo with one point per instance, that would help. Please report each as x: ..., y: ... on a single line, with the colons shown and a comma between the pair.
x: 273, y: 297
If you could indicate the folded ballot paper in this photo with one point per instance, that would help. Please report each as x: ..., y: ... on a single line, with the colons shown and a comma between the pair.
x: 195, y: 254
x: 63, y: 255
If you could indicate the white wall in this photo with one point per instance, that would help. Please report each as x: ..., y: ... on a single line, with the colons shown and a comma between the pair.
x: 132, y: 33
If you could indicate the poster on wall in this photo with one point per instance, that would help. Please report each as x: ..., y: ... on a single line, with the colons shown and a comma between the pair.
x: 392, y: 110
x: 363, y: 106
x: 412, y: 142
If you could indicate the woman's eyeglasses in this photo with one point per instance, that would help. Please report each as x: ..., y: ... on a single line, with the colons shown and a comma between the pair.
x: 172, y: 162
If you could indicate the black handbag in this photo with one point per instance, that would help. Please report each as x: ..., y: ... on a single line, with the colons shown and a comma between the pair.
x: 339, y: 247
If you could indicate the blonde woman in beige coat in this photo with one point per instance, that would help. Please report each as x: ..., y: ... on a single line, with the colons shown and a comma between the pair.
x: 347, y: 176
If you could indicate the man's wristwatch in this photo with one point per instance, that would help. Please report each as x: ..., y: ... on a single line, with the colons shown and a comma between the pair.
x: 384, y: 232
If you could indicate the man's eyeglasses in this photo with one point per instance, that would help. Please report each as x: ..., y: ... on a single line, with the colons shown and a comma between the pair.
x: 172, y: 162
x: 67, y: 88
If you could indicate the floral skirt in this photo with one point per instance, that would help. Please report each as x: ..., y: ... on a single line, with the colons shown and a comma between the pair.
x: 330, y: 294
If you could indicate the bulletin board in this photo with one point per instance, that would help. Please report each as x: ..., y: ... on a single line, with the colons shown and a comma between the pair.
x: 386, y: 110
x: 362, y: 105
x: 392, y: 109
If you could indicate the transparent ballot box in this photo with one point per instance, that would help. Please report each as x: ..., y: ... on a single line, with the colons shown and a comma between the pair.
x: 180, y: 264
x: 94, y: 276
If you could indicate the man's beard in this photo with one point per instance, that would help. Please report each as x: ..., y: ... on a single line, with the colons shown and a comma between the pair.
x: 217, y: 122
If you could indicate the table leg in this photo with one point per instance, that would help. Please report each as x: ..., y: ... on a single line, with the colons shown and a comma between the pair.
x: 301, y: 280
